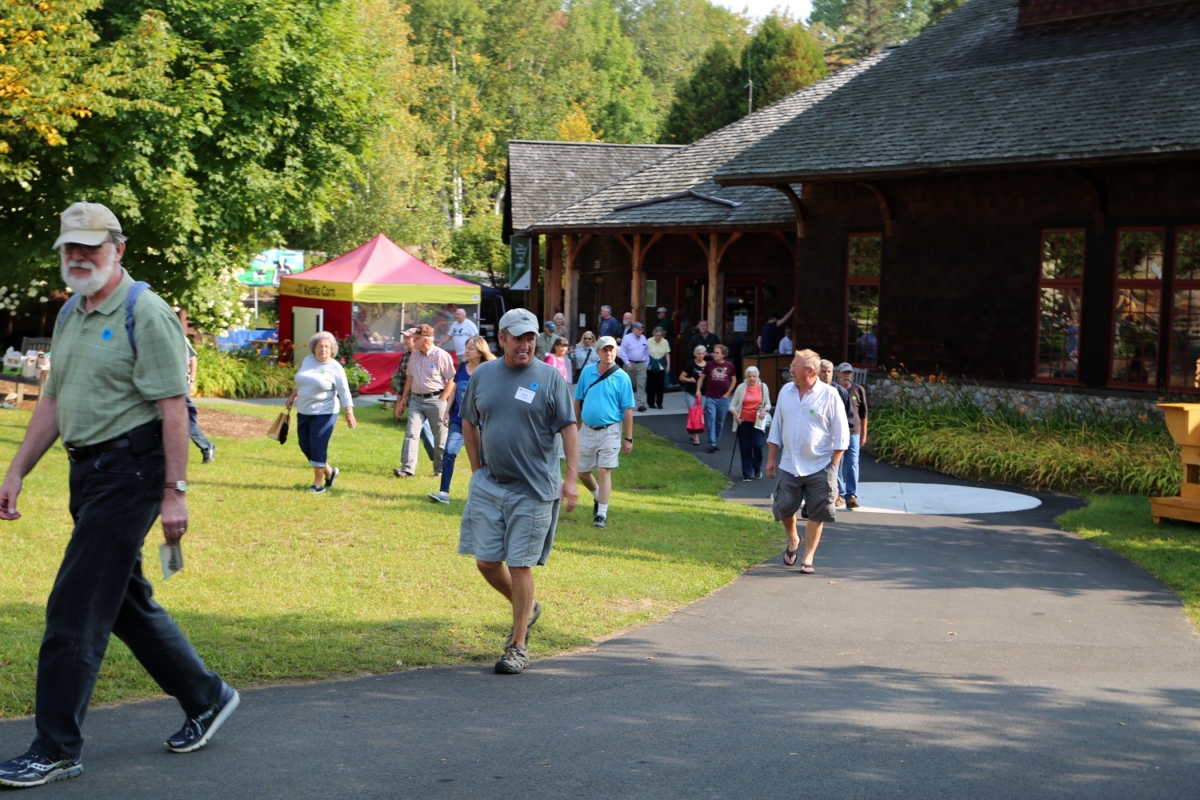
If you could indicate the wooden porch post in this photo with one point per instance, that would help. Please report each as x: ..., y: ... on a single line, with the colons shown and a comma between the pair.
x: 535, y: 271
x: 714, y: 251
x: 554, y: 275
x: 637, y: 255
x: 575, y: 243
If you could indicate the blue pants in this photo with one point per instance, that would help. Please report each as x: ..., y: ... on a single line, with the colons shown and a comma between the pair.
x: 100, y: 590
x: 313, y: 432
x: 194, y: 431
x: 751, y: 441
x: 715, y: 410
x: 427, y: 439
x: 454, y: 443
x: 848, y: 471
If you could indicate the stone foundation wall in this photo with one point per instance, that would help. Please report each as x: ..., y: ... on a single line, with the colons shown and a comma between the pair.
x: 1034, y: 403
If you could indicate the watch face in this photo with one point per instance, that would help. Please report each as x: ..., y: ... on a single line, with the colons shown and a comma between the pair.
x: 181, y: 486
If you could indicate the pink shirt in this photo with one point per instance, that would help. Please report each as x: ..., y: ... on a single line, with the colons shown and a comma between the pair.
x: 559, y: 364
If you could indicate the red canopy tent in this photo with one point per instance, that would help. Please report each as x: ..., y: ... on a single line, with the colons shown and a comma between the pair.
x: 379, y: 274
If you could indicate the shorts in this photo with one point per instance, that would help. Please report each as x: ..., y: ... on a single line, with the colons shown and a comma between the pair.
x: 818, y: 491
x: 499, y: 524
x: 599, y: 448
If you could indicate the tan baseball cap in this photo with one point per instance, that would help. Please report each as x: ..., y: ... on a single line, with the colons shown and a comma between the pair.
x: 86, y: 223
x: 606, y: 341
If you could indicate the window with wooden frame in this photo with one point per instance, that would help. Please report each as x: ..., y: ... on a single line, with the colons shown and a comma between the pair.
x: 1185, y: 311
x: 1060, y: 300
x: 864, y: 261
x: 1137, y: 307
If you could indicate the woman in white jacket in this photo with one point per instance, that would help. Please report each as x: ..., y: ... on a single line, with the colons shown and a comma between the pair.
x: 750, y: 406
x: 320, y: 385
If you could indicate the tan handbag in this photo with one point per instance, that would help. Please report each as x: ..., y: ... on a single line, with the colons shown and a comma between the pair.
x: 279, y: 428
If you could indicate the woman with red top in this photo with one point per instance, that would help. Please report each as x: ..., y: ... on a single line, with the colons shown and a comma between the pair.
x: 715, y: 385
x: 750, y: 407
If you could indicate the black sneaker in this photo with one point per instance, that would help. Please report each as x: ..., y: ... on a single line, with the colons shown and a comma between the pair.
x: 599, y: 521
x: 210, y: 453
x: 329, y: 481
x: 746, y: 479
x: 804, y: 512
x: 595, y: 507
x: 513, y: 662
x: 196, y: 731
x: 32, y: 769
x: 757, y: 474
x: 533, y: 618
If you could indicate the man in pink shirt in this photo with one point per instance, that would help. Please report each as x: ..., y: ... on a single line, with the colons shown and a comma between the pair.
x: 426, y: 394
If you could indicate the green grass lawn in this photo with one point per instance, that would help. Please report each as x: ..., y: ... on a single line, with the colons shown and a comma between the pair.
x: 280, y: 585
x: 1170, y: 550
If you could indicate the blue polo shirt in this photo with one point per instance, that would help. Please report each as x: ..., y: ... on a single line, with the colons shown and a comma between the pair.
x: 606, y: 403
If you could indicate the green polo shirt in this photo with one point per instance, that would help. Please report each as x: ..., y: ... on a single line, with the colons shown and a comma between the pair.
x: 101, y: 390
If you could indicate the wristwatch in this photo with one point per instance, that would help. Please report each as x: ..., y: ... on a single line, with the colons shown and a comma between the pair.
x: 629, y: 440
x: 179, y: 486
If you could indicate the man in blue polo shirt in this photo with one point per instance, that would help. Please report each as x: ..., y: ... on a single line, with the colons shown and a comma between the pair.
x: 603, y: 400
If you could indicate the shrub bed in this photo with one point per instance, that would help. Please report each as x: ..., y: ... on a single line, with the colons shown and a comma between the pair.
x: 1059, y: 452
x: 240, y: 374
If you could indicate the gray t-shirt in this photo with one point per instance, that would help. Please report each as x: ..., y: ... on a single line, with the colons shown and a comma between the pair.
x: 520, y: 410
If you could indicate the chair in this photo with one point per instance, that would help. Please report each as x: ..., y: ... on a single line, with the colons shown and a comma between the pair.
x: 40, y: 343
x: 860, y: 375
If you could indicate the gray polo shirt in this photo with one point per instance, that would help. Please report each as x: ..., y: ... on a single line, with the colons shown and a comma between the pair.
x: 520, y: 410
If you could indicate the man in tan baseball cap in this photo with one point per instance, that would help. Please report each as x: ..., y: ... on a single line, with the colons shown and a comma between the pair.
x: 87, y: 223
x: 92, y: 246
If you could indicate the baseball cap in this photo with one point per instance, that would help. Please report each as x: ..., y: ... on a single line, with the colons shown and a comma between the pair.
x: 550, y: 324
x: 638, y: 325
x: 606, y: 341
x: 661, y: 311
x: 519, y: 322
x: 410, y: 331
x: 843, y: 367
x: 86, y: 223
x: 424, y: 330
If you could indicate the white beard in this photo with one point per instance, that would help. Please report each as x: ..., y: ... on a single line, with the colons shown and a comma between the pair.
x: 94, y: 282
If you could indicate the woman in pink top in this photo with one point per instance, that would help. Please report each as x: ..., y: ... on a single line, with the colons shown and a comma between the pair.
x: 557, y: 358
x: 750, y: 406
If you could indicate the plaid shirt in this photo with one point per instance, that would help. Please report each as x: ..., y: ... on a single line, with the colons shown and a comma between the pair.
x: 430, y: 371
x: 102, y: 391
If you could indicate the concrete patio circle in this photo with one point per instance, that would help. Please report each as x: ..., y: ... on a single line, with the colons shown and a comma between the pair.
x: 939, y: 499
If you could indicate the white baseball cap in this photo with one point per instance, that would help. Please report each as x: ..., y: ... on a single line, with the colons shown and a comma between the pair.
x: 519, y: 322
x: 86, y: 223
x: 606, y: 341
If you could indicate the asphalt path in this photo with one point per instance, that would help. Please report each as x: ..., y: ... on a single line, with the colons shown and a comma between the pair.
x: 986, y: 656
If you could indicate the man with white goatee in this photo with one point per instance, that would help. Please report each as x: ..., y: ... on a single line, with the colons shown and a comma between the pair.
x: 117, y: 397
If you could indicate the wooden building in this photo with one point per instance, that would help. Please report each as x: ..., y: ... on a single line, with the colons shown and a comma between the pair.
x: 1014, y: 195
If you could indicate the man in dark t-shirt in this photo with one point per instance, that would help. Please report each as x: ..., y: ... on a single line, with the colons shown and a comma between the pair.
x: 767, y: 342
x: 704, y: 337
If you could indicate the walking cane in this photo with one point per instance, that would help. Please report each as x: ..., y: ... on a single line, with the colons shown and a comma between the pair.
x: 733, y: 452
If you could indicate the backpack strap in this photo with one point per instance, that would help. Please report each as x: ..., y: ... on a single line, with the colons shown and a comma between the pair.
x: 591, y: 385
x: 131, y: 299
x: 72, y: 301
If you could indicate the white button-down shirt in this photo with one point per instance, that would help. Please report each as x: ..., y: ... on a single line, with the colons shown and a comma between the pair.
x: 809, y: 430
x: 634, y: 348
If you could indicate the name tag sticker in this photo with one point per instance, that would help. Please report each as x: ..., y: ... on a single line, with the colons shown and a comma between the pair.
x: 525, y: 395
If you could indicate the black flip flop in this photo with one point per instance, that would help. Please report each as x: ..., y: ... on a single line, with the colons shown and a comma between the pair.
x: 794, y: 554
x: 807, y: 569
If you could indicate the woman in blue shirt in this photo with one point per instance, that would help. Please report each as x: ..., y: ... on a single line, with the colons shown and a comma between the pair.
x: 475, y: 353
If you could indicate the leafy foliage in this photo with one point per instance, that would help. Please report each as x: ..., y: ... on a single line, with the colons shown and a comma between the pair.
x: 476, y: 248
x: 240, y: 374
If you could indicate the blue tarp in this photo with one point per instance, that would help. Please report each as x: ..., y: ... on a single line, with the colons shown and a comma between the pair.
x: 236, y: 340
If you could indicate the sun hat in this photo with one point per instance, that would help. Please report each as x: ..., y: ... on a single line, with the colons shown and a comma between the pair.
x: 86, y: 223
x: 519, y: 322
x: 606, y: 341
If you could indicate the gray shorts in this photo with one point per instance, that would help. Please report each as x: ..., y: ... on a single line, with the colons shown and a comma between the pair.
x: 499, y: 524
x: 599, y: 448
x: 818, y: 491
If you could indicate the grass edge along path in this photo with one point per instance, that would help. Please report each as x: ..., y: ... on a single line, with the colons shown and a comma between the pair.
x: 1170, y: 550
x: 283, y: 586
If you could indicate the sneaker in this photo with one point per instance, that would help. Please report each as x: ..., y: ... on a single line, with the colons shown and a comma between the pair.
x: 316, y: 490
x: 437, y: 475
x: 196, y: 731
x: 746, y: 479
x: 399, y: 473
x: 210, y: 453
x: 840, y: 503
x: 600, y: 521
x: 712, y: 449
x: 641, y: 408
x: 32, y: 769
x: 595, y: 507
x: 513, y: 662
x: 851, y: 502
x: 329, y: 481
x: 440, y: 497
x: 804, y: 512
x: 758, y: 474
x: 533, y: 618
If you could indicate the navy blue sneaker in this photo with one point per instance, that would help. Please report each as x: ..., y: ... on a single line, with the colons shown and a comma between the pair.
x: 32, y: 769
x: 196, y: 731
x: 329, y: 481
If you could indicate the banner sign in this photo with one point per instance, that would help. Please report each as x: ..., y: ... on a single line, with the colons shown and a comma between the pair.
x: 518, y: 265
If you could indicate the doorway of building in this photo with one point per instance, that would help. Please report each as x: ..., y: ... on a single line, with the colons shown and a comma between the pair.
x: 742, y: 298
x: 306, y: 323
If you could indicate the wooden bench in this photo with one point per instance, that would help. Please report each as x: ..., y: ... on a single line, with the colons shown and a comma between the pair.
x: 20, y: 382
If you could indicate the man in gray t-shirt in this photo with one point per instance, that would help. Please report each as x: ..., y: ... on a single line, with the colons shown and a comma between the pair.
x: 513, y: 499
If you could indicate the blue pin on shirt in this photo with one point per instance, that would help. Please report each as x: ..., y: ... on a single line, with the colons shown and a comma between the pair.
x: 533, y: 386
x: 106, y: 334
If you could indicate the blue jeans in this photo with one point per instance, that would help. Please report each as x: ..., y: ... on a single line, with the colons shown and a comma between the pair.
x: 454, y: 443
x: 715, y: 410
x: 751, y: 441
x: 313, y: 432
x: 848, y: 471
x: 194, y: 431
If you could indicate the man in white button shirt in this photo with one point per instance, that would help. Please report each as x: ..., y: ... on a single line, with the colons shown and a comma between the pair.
x: 808, y: 437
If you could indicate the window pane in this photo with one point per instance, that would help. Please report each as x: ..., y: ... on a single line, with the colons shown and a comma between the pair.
x: 866, y: 255
x: 1135, y: 336
x: 1058, y: 338
x: 1185, y: 339
x: 1140, y: 255
x: 1062, y: 255
x: 1187, y: 254
x: 861, y: 325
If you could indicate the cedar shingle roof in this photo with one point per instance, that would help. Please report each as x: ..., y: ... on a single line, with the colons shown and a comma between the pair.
x: 691, y: 168
x: 544, y: 177
x: 974, y: 90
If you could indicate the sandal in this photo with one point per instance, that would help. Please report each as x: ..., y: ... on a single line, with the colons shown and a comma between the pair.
x: 807, y: 569
x: 792, y: 554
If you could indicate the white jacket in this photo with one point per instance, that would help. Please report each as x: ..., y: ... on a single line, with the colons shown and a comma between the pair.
x: 739, y: 394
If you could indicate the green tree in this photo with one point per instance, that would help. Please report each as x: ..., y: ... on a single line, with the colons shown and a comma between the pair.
x: 708, y: 100
x: 476, y: 249
x: 782, y: 58
x: 864, y: 27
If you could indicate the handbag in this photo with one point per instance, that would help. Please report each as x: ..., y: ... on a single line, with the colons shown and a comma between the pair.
x: 279, y: 428
x: 695, y: 419
x: 764, y: 423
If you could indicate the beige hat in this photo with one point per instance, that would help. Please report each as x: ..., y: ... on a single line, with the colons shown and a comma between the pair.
x: 86, y: 223
x: 606, y: 341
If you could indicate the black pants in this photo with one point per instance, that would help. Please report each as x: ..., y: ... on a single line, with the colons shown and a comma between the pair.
x: 750, y: 441
x: 654, y: 388
x: 100, y: 589
x: 194, y: 431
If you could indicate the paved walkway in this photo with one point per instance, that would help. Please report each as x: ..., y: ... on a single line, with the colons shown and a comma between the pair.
x: 979, y: 656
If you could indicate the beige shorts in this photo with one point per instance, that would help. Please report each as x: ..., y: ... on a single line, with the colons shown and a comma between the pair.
x: 599, y: 448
